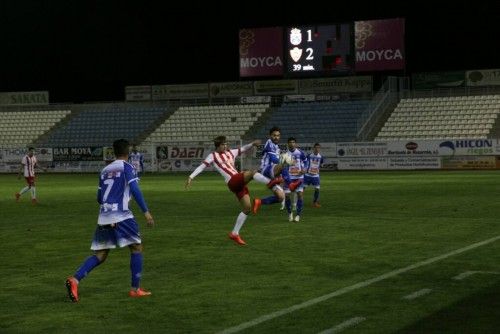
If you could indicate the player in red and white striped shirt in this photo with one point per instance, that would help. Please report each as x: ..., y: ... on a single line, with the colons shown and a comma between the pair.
x: 28, y: 164
x: 223, y: 161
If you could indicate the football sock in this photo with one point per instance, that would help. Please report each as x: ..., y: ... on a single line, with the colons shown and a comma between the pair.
x: 316, y: 195
x: 261, y: 178
x: 136, y: 269
x: 270, y: 200
x: 90, y: 263
x: 288, y: 204
x: 33, y: 192
x: 293, y: 198
x: 25, y: 189
x: 239, y: 222
x: 300, y: 205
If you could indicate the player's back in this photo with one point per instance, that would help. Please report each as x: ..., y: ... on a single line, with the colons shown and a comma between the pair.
x: 114, y: 194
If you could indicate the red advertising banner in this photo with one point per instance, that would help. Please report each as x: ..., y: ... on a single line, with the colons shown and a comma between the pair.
x: 261, y: 52
x: 380, y: 45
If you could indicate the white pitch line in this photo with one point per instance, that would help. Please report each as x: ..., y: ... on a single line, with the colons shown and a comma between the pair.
x: 353, y: 287
x: 417, y: 294
x: 466, y: 274
x: 340, y: 327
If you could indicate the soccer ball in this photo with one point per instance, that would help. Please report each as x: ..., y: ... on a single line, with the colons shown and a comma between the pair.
x: 286, y: 158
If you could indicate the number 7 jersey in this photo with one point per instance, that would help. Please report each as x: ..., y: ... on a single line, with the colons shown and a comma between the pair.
x: 114, y: 192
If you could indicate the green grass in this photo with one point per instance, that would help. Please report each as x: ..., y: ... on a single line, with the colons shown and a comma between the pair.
x: 371, y: 223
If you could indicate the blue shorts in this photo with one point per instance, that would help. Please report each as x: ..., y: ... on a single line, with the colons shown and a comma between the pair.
x: 311, y: 181
x: 121, y: 234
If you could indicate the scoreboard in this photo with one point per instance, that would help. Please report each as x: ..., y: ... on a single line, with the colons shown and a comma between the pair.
x: 320, y: 50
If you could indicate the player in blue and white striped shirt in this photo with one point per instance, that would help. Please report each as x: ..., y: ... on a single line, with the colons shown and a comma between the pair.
x: 296, y: 170
x: 314, y: 162
x: 136, y: 159
x: 116, y: 226
x: 272, y: 166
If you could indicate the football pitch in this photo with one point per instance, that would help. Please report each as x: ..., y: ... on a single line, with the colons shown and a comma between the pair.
x: 388, y: 252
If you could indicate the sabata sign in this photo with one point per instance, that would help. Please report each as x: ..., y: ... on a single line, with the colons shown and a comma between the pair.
x: 24, y: 98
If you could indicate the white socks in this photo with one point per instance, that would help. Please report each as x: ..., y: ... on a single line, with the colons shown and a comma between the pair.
x: 25, y: 189
x: 33, y: 192
x: 261, y: 178
x: 239, y: 223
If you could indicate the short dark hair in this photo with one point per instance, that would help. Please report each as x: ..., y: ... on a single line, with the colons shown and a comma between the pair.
x: 274, y: 128
x: 291, y: 139
x: 316, y: 144
x: 31, y: 148
x: 219, y: 140
x: 121, y: 147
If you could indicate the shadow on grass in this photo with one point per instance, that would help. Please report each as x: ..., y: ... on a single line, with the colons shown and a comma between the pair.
x: 479, y: 313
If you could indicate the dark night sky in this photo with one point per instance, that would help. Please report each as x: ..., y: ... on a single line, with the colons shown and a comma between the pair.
x: 89, y: 50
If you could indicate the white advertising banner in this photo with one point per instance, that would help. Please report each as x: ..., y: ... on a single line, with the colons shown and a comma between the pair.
x: 276, y: 87
x: 16, y: 154
x: 473, y: 162
x: 447, y: 147
x: 176, y: 92
x: 138, y: 93
x: 300, y: 98
x: 483, y: 77
x: 9, y: 167
x: 172, y: 165
x: 180, y: 152
x: 25, y: 98
x: 413, y: 148
x: 496, y: 146
x: 409, y: 162
x: 231, y: 89
x: 360, y: 163
x: 353, y: 84
x: 255, y: 99
x: 361, y: 149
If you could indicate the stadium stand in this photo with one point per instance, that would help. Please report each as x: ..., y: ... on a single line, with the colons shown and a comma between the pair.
x: 101, y: 125
x: 203, y: 123
x: 21, y: 128
x: 442, y: 117
x: 316, y: 121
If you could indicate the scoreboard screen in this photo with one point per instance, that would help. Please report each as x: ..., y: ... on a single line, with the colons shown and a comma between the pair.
x: 320, y: 50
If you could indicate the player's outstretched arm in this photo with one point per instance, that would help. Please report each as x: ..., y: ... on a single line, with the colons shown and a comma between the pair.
x: 256, y: 142
x: 197, y: 171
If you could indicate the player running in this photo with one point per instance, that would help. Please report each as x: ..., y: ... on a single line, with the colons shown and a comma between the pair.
x: 28, y: 164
